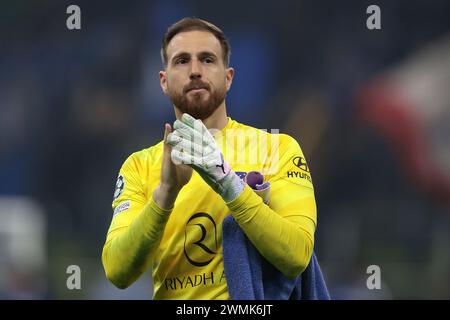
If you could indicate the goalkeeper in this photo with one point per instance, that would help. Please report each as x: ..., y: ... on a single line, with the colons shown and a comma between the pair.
x: 170, y: 199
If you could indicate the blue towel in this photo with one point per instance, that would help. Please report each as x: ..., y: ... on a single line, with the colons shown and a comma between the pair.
x: 251, y: 277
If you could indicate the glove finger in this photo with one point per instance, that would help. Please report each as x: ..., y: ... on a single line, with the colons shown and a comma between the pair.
x: 195, y: 128
x: 185, y: 130
x: 189, y: 120
x: 173, y: 138
x: 179, y: 157
x: 187, y: 146
x: 178, y: 124
x: 191, y: 134
x: 176, y: 137
x: 196, y: 124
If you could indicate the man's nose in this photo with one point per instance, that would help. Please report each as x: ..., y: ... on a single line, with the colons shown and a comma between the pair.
x: 195, y: 70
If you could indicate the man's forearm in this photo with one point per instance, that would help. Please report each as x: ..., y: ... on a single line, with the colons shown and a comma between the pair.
x: 287, y: 243
x: 165, y: 196
x: 128, y: 253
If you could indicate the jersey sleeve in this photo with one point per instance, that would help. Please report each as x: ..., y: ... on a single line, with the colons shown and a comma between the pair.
x: 282, y: 230
x: 292, y: 191
x: 136, y: 228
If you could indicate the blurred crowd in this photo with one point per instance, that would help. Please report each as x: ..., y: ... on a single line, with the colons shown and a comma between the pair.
x: 370, y: 109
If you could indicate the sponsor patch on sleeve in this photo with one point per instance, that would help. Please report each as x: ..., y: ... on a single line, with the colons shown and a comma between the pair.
x: 301, y: 172
x: 123, y: 206
x: 300, y: 162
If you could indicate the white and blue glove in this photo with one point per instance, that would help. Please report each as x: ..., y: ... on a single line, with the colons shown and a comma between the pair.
x: 194, y: 145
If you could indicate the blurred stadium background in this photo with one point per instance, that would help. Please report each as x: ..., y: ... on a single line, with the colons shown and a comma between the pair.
x: 371, y: 110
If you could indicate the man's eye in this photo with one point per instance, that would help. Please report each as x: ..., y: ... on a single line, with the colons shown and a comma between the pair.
x: 208, y: 60
x: 181, y: 61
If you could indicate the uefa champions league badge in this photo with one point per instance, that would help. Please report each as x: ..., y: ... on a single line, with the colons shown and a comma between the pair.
x: 120, y: 185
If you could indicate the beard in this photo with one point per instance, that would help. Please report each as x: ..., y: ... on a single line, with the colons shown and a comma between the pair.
x: 197, y: 104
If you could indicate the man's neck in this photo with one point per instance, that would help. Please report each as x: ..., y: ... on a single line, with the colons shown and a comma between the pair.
x: 218, y: 120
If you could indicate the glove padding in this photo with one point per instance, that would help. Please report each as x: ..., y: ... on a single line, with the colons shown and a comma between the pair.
x: 195, y: 146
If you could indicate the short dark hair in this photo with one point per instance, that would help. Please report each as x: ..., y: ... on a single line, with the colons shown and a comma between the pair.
x: 189, y: 24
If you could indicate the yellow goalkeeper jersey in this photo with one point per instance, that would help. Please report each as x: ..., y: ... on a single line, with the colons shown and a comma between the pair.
x: 186, y: 260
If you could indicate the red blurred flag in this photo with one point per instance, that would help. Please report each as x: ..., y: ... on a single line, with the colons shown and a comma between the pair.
x: 409, y: 105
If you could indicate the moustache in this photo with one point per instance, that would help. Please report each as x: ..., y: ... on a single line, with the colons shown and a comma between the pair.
x: 196, y: 84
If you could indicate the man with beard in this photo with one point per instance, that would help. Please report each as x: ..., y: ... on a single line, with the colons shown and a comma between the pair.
x: 170, y: 199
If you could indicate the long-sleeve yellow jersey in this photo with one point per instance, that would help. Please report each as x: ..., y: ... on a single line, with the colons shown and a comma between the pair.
x: 183, y: 245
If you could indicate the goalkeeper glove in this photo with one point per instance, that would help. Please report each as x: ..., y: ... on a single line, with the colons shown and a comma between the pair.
x: 194, y: 145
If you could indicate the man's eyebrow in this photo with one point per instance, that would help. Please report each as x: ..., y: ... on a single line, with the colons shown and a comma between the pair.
x: 181, y: 54
x: 201, y: 54
x: 207, y: 54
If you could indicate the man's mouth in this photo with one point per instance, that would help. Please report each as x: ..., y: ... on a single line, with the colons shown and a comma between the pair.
x: 197, y: 89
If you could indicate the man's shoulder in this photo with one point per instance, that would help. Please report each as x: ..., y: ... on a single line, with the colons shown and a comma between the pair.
x: 149, y: 152
x: 288, y: 140
x: 245, y: 129
x: 145, y: 157
x: 284, y: 139
x: 236, y: 125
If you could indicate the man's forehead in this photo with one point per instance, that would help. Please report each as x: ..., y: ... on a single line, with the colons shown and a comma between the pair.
x: 192, y: 42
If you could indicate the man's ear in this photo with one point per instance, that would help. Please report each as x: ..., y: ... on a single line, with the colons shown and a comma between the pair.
x: 229, y: 77
x: 163, y: 81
